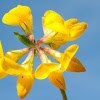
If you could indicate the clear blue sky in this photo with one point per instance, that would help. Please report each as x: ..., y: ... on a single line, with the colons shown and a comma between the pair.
x: 80, y: 86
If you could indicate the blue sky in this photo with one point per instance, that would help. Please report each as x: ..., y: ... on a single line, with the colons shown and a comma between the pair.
x: 80, y: 86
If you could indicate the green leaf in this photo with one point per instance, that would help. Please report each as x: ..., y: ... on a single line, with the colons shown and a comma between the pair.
x: 35, y: 53
x: 24, y: 39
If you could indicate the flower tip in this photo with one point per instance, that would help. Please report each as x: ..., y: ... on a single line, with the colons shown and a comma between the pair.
x: 84, y: 70
x: 75, y: 46
x: 19, y: 5
x: 65, y: 88
x: 3, y: 19
x: 21, y: 96
x: 84, y: 25
x: 48, y: 12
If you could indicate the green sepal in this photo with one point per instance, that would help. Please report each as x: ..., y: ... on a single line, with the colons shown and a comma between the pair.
x: 35, y: 53
x: 24, y: 39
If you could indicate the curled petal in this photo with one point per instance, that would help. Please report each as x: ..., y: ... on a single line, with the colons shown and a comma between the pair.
x: 24, y: 84
x: 77, y: 30
x: 68, y: 54
x: 75, y: 66
x: 45, y: 69
x: 57, y: 79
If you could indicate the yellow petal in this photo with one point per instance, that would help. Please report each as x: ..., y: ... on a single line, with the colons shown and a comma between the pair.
x: 52, y: 17
x: 58, y: 27
x: 68, y: 54
x: 24, y: 84
x: 77, y: 30
x: 18, y: 15
x: 10, y: 67
x: 58, y: 40
x: 45, y: 69
x: 15, y: 55
x: 2, y: 72
x: 48, y: 33
x: 10, y: 19
x: 1, y: 50
x: 54, y: 46
x: 75, y: 66
x: 57, y: 79
x: 69, y: 23
x: 27, y: 68
x: 61, y: 58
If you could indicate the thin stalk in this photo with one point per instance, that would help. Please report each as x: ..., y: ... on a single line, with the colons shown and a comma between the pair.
x: 63, y: 94
x: 31, y: 38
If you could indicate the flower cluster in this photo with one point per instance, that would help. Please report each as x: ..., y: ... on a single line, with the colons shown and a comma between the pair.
x: 57, y: 32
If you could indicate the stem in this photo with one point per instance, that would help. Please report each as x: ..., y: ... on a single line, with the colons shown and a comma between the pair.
x: 42, y: 56
x: 31, y: 38
x: 30, y: 57
x: 41, y: 40
x: 64, y: 96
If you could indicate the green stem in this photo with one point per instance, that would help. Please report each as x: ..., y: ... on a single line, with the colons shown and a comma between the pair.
x: 63, y: 94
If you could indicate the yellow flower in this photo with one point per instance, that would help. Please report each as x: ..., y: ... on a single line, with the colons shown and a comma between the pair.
x: 67, y: 62
x: 67, y: 59
x: 25, y: 72
x: 9, y: 61
x: 24, y: 84
x: 53, y: 72
x: 58, y: 32
x: 47, y: 68
x: 20, y: 15
x: 26, y: 79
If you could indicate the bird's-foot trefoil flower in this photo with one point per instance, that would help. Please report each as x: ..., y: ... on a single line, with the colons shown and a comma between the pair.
x: 58, y: 32
x: 50, y: 70
x: 73, y: 64
x: 8, y: 61
x: 20, y: 15
x: 26, y: 79
x: 66, y: 61
x: 25, y: 71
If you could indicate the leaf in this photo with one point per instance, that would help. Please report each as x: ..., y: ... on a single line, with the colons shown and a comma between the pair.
x: 35, y: 53
x: 24, y: 39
